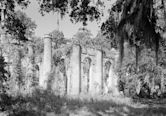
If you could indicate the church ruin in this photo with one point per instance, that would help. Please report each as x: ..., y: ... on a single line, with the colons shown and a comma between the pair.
x: 90, y: 71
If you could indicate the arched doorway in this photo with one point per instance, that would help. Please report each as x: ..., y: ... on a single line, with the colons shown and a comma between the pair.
x: 86, y: 74
x: 107, y: 67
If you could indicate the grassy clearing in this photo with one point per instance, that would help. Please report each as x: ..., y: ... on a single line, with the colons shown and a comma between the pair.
x: 44, y: 103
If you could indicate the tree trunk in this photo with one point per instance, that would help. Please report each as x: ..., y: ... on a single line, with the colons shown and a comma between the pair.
x: 136, y: 57
x: 121, y: 51
x: 163, y: 4
x: 156, y: 50
x: 47, y: 59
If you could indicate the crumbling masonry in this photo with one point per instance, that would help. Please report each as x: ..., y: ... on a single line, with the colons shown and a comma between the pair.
x: 91, y: 71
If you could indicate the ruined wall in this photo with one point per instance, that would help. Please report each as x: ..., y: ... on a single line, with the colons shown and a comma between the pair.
x: 91, y: 72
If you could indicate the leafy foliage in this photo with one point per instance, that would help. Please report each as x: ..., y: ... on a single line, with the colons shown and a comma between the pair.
x: 137, y: 25
x: 82, y: 11
x: 18, y: 74
x: 145, y: 79
x: 11, y: 4
x: 19, y: 26
x: 53, y: 5
x: 101, y: 41
x: 58, y: 38
x: 38, y: 44
x: 79, y: 11
x: 13, y: 20
x: 82, y: 37
x: 109, y: 30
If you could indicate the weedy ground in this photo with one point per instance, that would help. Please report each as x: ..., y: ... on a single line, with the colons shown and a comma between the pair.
x: 47, y: 104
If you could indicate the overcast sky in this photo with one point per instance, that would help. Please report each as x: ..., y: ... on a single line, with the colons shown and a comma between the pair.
x: 47, y: 23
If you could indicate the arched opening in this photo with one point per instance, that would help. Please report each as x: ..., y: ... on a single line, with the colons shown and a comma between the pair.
x: 86, y: 74
x: 107, y: 66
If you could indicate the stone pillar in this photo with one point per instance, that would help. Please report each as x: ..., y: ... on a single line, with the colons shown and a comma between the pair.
x: 3, y: 39
x: 2, y: 13
x: 2, y: 32
x: 2, y: 22
x: 68, y: 72
x: 30, y: 50
x: 99, y: 72
x: 91, y: 79
x: 75, y: 80
x: 47, y: 60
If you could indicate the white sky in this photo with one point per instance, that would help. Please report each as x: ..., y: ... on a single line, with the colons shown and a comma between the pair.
x: 48, y: 23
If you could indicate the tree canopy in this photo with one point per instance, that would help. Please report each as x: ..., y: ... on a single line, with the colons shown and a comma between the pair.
x: 83, y: 37
x: 137, y: 23
x: 79, y: 11
x: 16, y: 23
x: 20, y: 26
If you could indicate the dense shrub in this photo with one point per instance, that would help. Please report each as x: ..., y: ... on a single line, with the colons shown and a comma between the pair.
x: 146, y: 81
